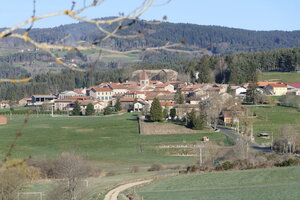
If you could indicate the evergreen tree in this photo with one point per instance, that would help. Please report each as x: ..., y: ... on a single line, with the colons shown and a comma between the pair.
x: 156, y: 110
x: 191, y: 118
x: 173, y: 113
x: 118, y: 106
x: 252, y: 94
x: 166, y: 113
x: 195, y: 122
x: 107, y: 111
x: 76, y: 110
x: 90, y: 109
x: 179, y: 98
x: 199, y: 123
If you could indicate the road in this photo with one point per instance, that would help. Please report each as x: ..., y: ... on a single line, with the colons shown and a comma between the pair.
x: 113, y: 194
x: 229, y: 133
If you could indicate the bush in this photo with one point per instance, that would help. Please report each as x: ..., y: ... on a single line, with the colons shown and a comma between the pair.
x: 155, y: 167
x: 289, y: 162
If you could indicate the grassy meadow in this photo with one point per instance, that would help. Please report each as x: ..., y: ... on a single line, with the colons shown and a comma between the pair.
x: 113, y: 142
x: 271, y: 118
x: 287, y: 77
x: 266, y: 184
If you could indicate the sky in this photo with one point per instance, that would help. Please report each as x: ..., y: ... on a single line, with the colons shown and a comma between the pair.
x: 245, y: 14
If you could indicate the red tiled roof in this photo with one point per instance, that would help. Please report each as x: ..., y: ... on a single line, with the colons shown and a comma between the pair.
x: 265, y: 83
x: 64, y: 100
x: 97, y: 89
x: 161, y: 85
x: 127, y: 99
x: 277, y: 85
x: 117, y: 86
x: 166, y: 103
x: 295, y: 85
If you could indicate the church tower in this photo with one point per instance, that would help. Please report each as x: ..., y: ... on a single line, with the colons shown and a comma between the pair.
x: 144, y: 79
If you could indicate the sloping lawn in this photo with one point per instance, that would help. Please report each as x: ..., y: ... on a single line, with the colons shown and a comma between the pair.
x: 264, y: 184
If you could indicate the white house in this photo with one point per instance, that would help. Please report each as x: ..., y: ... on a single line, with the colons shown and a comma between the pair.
x: 103, y: 94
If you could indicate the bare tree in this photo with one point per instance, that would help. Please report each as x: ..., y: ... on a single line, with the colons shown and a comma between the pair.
x: 11, y: 182
x: 211, y: 109
x: 72, y: 169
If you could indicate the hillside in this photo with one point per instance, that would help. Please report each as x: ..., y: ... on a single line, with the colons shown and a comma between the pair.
x: 216, y: 39
x: 267, y: 184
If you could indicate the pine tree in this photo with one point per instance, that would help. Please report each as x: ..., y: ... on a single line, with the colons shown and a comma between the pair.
x: 166, y: 113
x: 76, y: 110
x: 90, y: 109
x: 179, y: 98
x: 107, y: 111
x: 173, y: 113
x: 156, y: 110
x: 118, y: 106
x: 195, y: 122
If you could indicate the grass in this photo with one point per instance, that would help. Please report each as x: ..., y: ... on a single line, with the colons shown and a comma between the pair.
x: 266, y: 184
x: 287, y: 77
x: 271, y: 118
x: 112, y: 142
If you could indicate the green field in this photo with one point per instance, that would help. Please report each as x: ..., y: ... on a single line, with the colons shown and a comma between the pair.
x: 264, y: 184
x: 287, y: 77
x: 271, y: 118
x: 113, y: 142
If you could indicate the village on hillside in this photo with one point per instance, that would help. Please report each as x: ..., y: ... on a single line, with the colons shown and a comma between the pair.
x: 137, y: 96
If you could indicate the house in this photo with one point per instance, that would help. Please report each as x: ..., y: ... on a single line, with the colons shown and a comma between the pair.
x: 63, y: 104
x: 164, y: 87
x: 3, y: 120
x: 118, y: 89
x: 101, y: 93
x: 40, y: 99
x: 183, y: 109
x: 239, y: 91
x: 135, y: 94
x: 140, y: 106
x: 293, y: 88
x: 68, y: 94
x: 4, y: 104
x: 24, y: 101
x: 127, y: 103
x: 98, y: 105
x: 232, y: 113
x: 278, y: 89
x: 262, y: 84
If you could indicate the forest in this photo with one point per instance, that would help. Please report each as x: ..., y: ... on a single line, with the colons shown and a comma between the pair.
x: 212, y: 69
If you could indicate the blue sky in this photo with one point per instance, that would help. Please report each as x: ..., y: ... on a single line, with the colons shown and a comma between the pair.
x: 246, y: 14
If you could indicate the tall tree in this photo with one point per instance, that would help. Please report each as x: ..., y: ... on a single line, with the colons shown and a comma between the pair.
x: 118, y: 106
x: 76, y: 110
x: 156, y: 110
x: 179, y: 98
x: 90, y: 109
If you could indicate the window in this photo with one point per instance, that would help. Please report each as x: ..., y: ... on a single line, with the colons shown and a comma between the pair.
x: 102, y: 98
x: 106, y: 98
x: 102, y: 93
x: 106, y: 93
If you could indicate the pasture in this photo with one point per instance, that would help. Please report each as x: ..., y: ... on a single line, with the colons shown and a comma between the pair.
x: 112, y: 142
x: 286, y: 77
x: 266, y: 184
x: 270, y: 119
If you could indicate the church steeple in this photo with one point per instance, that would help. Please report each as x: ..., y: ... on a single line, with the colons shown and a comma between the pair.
x: 144, y: 79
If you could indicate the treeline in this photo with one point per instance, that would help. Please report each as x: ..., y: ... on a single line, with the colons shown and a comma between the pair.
x: 234, y: 69
x: 8, y: 71
x: 57, y: 82
x: 217, y: 39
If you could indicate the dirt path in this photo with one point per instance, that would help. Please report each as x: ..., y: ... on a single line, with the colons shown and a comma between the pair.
x: 113, y: 194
